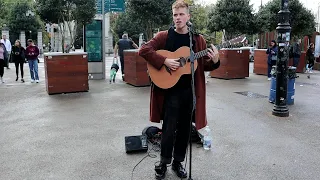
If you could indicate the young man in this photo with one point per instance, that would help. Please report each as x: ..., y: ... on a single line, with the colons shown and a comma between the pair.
x: 32, y: 52
x: 174, y: 105
x: 123, y: 44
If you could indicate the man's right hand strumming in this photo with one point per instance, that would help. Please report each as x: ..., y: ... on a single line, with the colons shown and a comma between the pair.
x: 173, y: 64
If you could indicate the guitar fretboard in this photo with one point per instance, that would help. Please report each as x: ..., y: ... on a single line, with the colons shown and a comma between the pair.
x: 200, y: 54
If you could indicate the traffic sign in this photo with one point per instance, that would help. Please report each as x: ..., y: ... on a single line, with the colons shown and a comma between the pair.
x: 110, y: 5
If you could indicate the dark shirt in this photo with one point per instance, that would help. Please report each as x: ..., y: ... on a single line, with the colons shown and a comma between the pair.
x: 124, y: 44
x: 180, y: 40
x: 32, y: 52
x: 17, y: 54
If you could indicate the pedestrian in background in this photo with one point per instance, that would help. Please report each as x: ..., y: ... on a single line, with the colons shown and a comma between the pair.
x: 272, y: 57
x: 310, y: 58
x: 18, y: 57
x: 32, y: 52
x: 123, y: 44
x: 296, y: 52
x: 7, y: 44
x: 3, y: 60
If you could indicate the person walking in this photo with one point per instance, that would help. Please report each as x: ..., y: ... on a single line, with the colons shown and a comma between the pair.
x: 7, y: 44
x: 18, y: 57
x: 3, y: 59
x: 123, y: 44
x: 310, y: 58
x: 32, y: 52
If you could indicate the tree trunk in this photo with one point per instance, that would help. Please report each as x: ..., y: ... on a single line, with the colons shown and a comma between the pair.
x: 62, y: 32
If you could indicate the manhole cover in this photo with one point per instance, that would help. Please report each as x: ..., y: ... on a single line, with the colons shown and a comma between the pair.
x: 251, y: 94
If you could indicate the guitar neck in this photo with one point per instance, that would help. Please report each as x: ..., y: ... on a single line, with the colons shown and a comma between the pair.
x: 200, y: 54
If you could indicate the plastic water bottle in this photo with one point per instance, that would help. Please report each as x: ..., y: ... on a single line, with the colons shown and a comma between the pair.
x: 207, y: 138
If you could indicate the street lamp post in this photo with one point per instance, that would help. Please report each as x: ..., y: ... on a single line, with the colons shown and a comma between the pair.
x: 280, y: 108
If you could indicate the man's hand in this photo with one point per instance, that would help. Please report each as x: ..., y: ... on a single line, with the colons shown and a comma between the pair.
x: 213, y: 54
x: 173, y: 64
x: 115, y: 56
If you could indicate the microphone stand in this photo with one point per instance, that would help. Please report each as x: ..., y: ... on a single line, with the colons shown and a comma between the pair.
x: 193, y: 95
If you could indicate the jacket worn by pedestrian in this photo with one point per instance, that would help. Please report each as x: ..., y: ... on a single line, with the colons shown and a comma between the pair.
x: 5, y: 55
x: 148, y: 52
x: 310, y: 56
x: 32, y: 52
x: 18, y: 54
x: 273, y: 51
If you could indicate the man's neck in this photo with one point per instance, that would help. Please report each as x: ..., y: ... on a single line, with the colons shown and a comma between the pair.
x: 182, y: 31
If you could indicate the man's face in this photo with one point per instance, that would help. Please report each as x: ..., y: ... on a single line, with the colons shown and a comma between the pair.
x: 180, y: 17
x: 4, y: 37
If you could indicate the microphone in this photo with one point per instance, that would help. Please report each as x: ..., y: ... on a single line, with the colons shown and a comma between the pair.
x: 189, y: 24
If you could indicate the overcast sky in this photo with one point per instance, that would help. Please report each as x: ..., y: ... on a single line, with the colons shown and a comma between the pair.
x: 309, y: 4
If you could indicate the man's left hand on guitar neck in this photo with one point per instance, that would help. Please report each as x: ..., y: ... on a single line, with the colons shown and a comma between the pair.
x: 213, y: 53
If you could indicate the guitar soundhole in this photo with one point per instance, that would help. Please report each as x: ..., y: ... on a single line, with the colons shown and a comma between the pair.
x: 182, y: 61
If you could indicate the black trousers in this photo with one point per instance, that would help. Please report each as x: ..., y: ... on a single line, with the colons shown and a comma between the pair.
x: 2, y: 64
x: 176, y: 125
x: 122, y: 64
x: 311, y: 64
x: 21, y: 68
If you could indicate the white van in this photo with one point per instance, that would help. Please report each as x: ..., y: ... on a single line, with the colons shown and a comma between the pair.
x: 251, y: 52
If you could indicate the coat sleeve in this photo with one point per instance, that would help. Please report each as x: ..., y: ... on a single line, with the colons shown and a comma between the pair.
x: 268, y: 51
x: 208, y: 65
x: 148, y: 50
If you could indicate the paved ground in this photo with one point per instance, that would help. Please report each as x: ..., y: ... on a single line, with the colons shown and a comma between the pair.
x: 81, y: 135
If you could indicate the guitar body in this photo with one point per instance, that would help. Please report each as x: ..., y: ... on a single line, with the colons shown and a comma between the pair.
x: 164, y: 79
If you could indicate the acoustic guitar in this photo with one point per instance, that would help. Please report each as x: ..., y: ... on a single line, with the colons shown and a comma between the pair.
x: 166, y: 78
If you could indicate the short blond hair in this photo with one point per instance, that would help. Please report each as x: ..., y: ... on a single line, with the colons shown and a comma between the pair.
x: 180, y: 4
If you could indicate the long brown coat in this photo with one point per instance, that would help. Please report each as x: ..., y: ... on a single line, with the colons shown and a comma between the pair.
x: 148, y: 52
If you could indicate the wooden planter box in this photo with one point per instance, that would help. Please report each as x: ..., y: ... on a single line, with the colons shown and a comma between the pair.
x: 260, y: 65
x: 66, y: 72
x: 234, y: 63
x: 135, y: 68
x: 316, y: 66
x: 261, y: 62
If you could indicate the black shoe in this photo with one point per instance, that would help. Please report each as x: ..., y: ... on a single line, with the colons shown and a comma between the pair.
x: 22, y: 80
x: 114, y: 80
x: 17, y: 78
x: 161, y: 170
x: 179, y: 170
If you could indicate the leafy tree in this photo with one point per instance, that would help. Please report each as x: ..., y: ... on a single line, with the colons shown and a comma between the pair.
x: 2, y: 14
x: 68, y: 14
x: 23, y: 18
x: 233, y: 16
x: 302, y: 21
x: 150, y: 14
x: 125, y: 23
